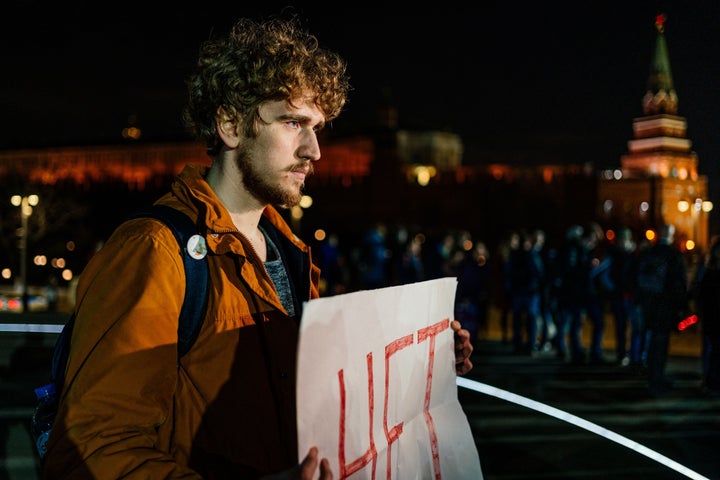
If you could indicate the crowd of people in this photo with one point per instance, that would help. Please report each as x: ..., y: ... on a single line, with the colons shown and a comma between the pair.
x: 547, y: 294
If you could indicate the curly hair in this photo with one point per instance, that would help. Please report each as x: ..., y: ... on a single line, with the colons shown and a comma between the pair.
x: 258, y: 62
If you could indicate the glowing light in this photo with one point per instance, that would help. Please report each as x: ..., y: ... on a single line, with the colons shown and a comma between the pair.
x: 689, y: 245
x: 306, y: 201
x: 58, y: 262
x: 132, y: 132
x: 686, y: 322
x: 607, y: 206
x: 650, y: 235
x: 707, y: 206
x: 423, y: 175
x: 644, y: 206
x: 296, y: 212
x: 320, y: 235
x: 6, y: 273
x: 617, y: 174
x: 547, y: 175
x: 683, y: 206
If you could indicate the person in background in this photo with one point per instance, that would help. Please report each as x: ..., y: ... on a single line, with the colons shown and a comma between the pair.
x: 663, y: 296
x: 598, y: 268
x: 374, y: 258
x: 501, y: 294
x: 623, y: 300
x: 472, y: 297
x: 708, y: 308
x: 52, y: 294
x: 525, y: 273
x: 572, y: 286
x: 130, y: 409
x: 440, y: 256
x: 548, y: 304
x: 333, y: 269
x: 410, y: 267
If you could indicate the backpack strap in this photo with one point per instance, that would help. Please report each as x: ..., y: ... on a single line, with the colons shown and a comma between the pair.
x: 61, y: 353
x: 196, y: 273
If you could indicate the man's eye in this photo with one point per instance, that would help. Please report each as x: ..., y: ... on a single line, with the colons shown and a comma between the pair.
x: 293, y: 124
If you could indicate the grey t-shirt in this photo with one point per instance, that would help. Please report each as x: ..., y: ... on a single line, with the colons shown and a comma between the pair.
x: 276, y: 270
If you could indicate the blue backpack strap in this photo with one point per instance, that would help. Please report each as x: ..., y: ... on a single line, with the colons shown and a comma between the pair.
x: 196, y: 273
x: 61, y: 353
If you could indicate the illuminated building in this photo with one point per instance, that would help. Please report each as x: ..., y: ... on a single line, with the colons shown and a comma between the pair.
x: 658, y: 182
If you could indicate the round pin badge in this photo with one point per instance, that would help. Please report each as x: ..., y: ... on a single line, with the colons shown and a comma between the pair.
x: 196, y: 247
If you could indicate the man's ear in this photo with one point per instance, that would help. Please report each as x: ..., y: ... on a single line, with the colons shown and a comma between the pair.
x: 227, y: 127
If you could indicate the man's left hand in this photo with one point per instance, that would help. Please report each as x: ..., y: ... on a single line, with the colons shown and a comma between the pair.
x: 463, y: 348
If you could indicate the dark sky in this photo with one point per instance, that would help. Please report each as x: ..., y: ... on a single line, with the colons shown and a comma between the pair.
x: 519, y: 81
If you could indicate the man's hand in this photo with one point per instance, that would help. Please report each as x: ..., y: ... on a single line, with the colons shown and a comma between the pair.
x: 310, y: 463
x: 306, y: 469
x: 463, y: 348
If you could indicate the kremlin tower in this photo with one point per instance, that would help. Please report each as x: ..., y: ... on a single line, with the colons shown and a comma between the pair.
x: 658, y: 182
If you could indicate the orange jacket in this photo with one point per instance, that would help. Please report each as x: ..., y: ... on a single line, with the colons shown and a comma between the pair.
x: 227, y: 410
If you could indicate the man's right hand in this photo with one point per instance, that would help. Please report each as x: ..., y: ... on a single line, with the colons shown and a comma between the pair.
x: 306, y: 469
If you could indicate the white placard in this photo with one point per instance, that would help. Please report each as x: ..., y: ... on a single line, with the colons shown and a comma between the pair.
x: 376, y: 385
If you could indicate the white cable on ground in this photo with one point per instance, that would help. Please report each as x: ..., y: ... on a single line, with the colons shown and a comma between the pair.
x: 30, y: 327
x: 572, y: 419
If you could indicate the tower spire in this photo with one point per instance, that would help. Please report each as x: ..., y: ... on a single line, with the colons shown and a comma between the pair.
x: 660, y: 96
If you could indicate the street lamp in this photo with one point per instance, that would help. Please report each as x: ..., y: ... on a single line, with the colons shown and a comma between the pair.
x: 26, y: 205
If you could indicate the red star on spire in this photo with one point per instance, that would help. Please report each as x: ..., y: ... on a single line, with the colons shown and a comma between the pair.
x: 660, y: 21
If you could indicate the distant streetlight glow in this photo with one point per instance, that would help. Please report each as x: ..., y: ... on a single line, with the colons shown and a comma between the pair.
x: 607, y: 206
x: 25, y: 204
x: 306, y: 201
x: 423, y: 174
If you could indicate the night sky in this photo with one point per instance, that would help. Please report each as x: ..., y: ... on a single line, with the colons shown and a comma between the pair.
x: 521, y: 82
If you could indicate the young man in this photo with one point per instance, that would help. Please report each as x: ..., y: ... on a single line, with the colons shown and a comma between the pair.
x: 227, y: 409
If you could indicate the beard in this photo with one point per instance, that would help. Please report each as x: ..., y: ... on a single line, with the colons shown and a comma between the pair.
x: 262, y: 184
